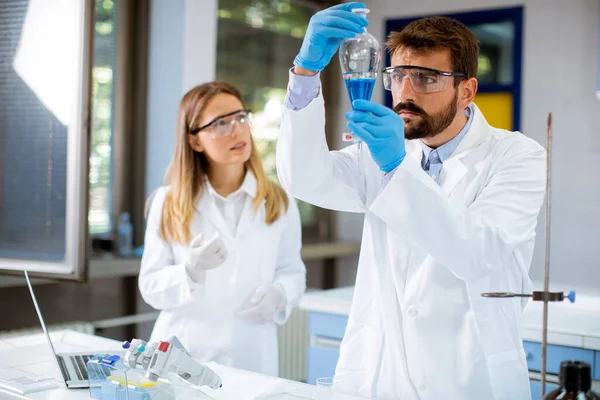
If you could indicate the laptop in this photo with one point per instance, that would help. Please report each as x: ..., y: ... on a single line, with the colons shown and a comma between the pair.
x: 72, y: 365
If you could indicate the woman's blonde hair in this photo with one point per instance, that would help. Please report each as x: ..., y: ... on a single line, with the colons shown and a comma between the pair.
x: 187, y: 169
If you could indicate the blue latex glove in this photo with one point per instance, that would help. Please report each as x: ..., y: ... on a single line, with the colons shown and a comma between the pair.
x: 381, y: 129
x: 325, y: 32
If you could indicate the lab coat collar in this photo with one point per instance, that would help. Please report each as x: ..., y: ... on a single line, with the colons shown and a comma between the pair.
x: 249, y: 214
x: 476, y: 134
x: 454, y: 169
x: 248, y: 186
x: 208, y: 207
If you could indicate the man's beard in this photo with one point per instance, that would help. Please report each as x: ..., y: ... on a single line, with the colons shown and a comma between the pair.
x: 428, y: 125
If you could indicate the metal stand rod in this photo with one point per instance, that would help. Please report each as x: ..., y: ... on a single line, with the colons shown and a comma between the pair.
x: 545, y: 296
x: 547, y: 254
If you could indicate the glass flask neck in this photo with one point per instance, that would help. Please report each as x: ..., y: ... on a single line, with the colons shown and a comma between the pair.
x: 363, y: 13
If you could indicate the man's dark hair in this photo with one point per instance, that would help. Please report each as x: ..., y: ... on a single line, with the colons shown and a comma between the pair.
x: 434, y: 33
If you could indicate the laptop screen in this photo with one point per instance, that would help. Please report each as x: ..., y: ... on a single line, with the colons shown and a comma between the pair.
x: 39, y: 314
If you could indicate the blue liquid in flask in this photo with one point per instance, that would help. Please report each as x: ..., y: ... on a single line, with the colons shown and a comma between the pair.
x: 360, y: 86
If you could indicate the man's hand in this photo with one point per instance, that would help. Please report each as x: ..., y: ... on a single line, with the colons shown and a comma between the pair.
x: 381, y: 129
x: 325, y: 32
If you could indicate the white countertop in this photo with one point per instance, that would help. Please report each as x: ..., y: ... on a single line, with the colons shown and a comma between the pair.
x: 576, y: 324
x: 31, y: 354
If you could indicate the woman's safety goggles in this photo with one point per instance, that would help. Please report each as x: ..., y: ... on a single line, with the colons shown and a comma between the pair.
x: 422, y: 80
x: 223, y: 125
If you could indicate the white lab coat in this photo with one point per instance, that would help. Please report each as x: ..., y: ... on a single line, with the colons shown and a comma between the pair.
x: 418, y: 326
x: 204, y: 316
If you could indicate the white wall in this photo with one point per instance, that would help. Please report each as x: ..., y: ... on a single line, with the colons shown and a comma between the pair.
x: 182, y: 54
x: 559, y: 75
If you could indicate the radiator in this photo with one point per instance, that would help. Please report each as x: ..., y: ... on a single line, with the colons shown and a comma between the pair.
x: 293, y: 346
x: 83, y: 327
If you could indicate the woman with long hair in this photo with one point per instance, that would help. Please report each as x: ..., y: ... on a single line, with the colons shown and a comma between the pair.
x: 222, y: 246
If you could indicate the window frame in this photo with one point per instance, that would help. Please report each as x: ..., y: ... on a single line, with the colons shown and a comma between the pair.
x: 74, y: 266
x: 128, y: 168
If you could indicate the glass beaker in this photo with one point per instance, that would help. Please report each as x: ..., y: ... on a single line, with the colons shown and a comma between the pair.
x: 330, y: 388
x: 327, y: 382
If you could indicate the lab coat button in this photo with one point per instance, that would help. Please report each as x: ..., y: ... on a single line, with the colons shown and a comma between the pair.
x: 412, y: 312
x: 422, y: 388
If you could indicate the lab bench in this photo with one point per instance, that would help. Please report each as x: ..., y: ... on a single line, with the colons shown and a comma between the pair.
x: 30, y: 355
x: 573, y: 333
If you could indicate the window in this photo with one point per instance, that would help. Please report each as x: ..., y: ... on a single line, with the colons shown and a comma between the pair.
x: 496, y: 52
x: 43, y: 92
x: 103, y: 73
x: 257, y: 42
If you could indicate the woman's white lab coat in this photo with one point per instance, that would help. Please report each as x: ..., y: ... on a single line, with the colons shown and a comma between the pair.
x: 418, y: 327
x: 204, y: 316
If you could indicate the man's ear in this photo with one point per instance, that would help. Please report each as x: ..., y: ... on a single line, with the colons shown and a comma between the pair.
x: 468, y: 92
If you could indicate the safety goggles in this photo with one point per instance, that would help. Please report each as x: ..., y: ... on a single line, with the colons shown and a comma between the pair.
x: 422, y: 80
x: 223, y: 126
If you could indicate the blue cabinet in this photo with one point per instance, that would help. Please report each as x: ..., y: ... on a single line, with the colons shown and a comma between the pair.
x: 327, y: 330
x: 555, y: 355
x: 322, y: 360
x: 327, y: 325
x: 326, y: 333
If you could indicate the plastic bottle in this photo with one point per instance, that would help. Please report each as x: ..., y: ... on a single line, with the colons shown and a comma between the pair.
x: 575, y: 382
x: 125, y: 235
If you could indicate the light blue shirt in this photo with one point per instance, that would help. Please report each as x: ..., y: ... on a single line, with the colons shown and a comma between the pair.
x: 433, y: 159
x: 301, y: 90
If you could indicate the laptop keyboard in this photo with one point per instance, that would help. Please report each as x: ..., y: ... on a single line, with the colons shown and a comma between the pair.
x: 79, y: 365
x: 80, y: 362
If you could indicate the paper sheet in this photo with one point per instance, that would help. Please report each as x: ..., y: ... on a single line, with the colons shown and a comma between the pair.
x: 242, y: 385
x: 22, y: 382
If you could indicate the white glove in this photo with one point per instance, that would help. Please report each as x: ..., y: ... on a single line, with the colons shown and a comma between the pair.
x: 266, y: 302
x: 204, y: 256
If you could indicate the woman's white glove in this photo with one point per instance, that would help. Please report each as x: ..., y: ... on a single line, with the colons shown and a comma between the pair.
x: 204, y: 256
x: 266, y: 302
